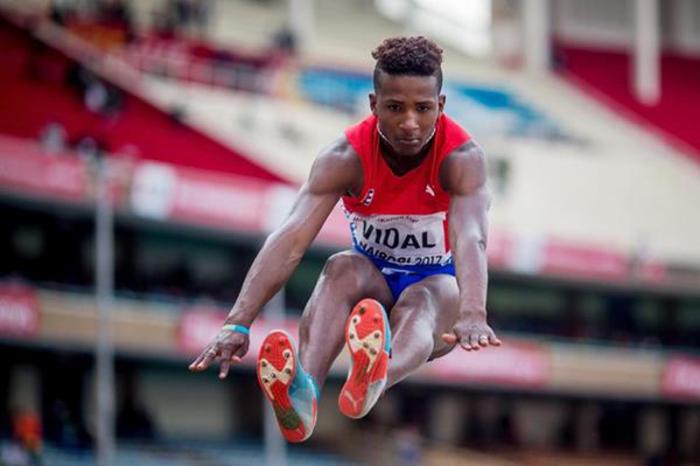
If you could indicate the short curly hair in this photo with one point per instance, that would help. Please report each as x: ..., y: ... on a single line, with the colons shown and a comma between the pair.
x: 411, y: 56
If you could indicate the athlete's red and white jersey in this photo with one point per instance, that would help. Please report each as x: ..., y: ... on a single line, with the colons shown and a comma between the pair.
x: 402, y: 220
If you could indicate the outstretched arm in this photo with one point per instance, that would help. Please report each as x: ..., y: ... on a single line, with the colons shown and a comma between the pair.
x: 335, y: 171
x: 463, y: 174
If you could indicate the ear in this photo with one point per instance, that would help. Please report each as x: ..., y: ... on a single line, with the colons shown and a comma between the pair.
x: 373, y: 103
x: 442, y: 98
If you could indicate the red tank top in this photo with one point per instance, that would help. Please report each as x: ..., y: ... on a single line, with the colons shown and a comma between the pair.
x: 402, y: 219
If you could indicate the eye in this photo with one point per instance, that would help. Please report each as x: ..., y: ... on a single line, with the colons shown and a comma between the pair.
x: 393, y: 107
x: 423, y: 108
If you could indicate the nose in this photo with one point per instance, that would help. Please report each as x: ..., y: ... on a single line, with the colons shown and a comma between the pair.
x: 410, y: 122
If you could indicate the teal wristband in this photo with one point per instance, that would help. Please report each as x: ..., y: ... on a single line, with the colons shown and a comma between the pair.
x: 236, y: 328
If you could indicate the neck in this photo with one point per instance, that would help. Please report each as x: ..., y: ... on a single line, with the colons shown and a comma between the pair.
x: 398, y: 163
x: 387, y: 144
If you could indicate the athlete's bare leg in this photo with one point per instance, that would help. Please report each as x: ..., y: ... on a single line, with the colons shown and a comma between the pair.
x: 347, y: 278
x: 423, y: 312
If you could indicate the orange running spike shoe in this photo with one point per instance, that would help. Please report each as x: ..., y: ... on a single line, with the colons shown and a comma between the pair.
x: 292, y: 392
x: 368, y: 338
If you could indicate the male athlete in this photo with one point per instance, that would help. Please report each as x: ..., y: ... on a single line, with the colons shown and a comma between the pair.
x: 413, y: 186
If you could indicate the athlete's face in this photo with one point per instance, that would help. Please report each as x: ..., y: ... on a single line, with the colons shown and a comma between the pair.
x: 407, y: 108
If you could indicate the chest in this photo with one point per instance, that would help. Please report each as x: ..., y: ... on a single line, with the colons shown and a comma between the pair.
x: 413, y: 193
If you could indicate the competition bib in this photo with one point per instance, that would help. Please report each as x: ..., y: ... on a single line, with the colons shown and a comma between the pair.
x: 406, y: 240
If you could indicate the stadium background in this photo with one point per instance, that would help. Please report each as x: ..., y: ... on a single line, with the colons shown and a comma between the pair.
x: 188, y: 126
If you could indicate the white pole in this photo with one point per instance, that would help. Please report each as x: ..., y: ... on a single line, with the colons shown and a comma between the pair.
x: 104, y: 351
x: 302, y: 22
x: 537, y: 36
x: 275, y: 445
x: 646, y: 51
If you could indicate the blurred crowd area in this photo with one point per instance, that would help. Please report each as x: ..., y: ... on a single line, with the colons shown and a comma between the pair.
x: 205, y: 115
x: 54, y: 250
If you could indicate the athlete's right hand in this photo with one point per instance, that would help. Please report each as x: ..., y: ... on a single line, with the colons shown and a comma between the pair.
x: 226, y: 347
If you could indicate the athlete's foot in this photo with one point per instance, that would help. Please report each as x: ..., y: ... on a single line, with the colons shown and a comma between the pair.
x: 292, y: 392
x: 368, y: 339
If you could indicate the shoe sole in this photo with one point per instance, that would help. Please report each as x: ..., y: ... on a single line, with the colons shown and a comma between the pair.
x: 276, y: 369
x: 366, y: 334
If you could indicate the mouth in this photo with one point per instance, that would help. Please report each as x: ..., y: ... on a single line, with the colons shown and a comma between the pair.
x: 411, y: 142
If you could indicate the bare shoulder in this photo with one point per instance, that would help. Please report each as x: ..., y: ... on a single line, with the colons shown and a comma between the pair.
x: 464, y: 170
x: 337, y: 168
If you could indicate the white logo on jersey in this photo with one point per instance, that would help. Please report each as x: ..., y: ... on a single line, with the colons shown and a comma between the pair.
x: 429, y: 190
x: 368, y: 197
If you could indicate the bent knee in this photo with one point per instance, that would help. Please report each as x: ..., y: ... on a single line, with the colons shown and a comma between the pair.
x: 346, y: 265
x: 343, y: 262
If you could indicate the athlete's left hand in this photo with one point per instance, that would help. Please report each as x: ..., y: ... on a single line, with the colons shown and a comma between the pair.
x: 472, y: 333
